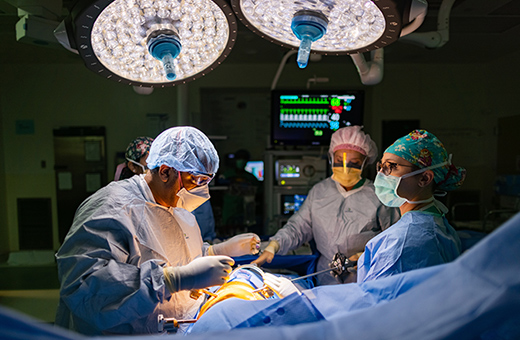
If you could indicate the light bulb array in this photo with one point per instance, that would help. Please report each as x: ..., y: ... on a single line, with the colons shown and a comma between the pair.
x: 353, y: 24
x: 120, y: 30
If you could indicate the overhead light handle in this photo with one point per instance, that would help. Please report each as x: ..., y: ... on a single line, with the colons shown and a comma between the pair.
x: 165, y: 46
x: 308, y: 26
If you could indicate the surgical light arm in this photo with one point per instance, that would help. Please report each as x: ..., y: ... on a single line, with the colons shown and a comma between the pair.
x: 437, y: 38
x: 371, y: 72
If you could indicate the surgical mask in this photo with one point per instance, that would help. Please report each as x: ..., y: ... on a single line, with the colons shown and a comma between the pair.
x: 145, y: 169
x: 348, y: 174
x: 386, y: 188
x: 194, y: 198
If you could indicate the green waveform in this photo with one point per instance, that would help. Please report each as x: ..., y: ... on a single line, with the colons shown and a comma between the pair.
x: 315, y: 100
x: 304, y: 111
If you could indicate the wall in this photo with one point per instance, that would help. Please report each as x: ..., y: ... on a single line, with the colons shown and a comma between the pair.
x: 460, y: 103
x: 4, y: 231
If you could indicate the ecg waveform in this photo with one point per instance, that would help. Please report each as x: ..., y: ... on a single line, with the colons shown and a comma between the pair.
x: 310, y: 118
x: 313, y: 125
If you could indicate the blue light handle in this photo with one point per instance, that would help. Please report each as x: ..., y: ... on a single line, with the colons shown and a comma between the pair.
x: 169, y: 68
x: 304, y: 51
x: 165, y: 47
x: 308, y: 26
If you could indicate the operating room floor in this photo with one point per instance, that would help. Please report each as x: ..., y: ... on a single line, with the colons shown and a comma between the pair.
x: 30, y: 289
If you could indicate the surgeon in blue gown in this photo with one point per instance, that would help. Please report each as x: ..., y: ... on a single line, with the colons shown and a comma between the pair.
x: 135, y: 250
x: 412, y: 169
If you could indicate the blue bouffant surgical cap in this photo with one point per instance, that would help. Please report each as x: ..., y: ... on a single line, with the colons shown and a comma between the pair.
x: 183, y: 148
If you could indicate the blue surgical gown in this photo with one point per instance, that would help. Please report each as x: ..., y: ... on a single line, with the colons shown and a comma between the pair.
x: 477, y: 296
x: 419, y: 239
x: 338, y: 221
x: 111, y: 263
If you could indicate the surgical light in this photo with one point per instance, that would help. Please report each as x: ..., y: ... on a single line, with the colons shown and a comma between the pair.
x: 152, y: 43
x: 333, y: 27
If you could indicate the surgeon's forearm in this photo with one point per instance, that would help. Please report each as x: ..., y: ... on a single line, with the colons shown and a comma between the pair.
x: 273, y: 246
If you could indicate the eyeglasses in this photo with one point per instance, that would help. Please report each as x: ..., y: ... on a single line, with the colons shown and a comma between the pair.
x: 201, y: 178
x: 387, y: 167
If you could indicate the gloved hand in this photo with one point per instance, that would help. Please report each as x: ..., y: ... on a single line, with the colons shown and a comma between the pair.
x: 243, y: 244
x: 200, y: 273
x: 268, y: 254
x: 280, y: 284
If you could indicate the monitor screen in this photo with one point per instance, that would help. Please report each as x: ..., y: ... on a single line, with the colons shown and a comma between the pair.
x: 256, y: 168
x: 311, y: 117
x: 292, y: 203
x: 289, y: 171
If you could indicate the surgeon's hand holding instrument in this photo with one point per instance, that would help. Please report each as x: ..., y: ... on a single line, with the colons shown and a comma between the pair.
x: 341, y: 265
x: 202, y: 272
x: 243, y: 244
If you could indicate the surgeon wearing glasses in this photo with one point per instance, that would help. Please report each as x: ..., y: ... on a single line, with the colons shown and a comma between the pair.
x: 412, y: 169
x: 135, y: 251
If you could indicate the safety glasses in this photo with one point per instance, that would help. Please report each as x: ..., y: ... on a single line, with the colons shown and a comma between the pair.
x: 201, y: 178
x: 355, y: 163
x: 387, y: 167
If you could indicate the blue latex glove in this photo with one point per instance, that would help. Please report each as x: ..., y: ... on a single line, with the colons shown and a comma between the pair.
x: 200, y: 273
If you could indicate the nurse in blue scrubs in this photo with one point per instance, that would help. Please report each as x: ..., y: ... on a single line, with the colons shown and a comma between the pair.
x: 412, y: 169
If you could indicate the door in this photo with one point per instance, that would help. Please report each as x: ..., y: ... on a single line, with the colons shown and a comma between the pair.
x: 80, y: 167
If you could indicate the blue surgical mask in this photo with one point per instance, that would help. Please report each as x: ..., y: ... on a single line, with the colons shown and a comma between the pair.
x: 386, y: 188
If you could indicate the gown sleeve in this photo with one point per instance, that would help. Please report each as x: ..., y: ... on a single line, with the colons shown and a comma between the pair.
x: 298, y: 229
x: 101, y: 281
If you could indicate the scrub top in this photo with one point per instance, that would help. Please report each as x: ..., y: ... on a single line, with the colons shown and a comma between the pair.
x: 421, y: 238
x: 338, y: 221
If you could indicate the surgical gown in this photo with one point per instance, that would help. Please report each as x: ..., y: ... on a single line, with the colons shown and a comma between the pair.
x: 111, y: 262
x: 477, y: 296
x: 419, y: 239
x: 338, y: 220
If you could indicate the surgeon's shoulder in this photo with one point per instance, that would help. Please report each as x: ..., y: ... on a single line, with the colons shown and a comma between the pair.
x: 112, y: 198
x: 368, y: 187
x: 324, y: 185
x: 419, y: 222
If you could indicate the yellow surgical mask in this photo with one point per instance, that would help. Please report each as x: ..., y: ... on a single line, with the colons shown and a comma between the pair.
x: 348, y: 174
x: 347, y: 177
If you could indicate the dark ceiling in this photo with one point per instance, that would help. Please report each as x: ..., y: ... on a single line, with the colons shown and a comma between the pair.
x: 480, y: 31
